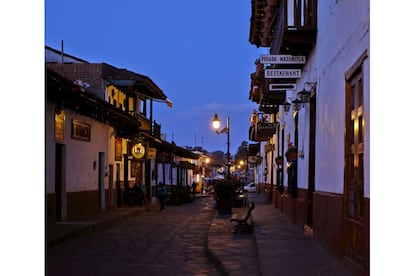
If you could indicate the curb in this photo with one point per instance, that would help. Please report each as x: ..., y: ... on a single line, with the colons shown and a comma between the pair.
x: 256, y: 247
x: 216, y: 261
x: 212, y: 257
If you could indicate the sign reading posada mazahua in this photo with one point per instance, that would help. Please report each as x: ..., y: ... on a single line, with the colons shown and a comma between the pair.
x: 138, y: 150
x: 282, y: 59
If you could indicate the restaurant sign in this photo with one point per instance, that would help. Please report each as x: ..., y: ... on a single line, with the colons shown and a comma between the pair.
x: 282, y: 73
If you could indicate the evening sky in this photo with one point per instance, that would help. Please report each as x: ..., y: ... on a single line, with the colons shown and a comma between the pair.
x: 197, y: 52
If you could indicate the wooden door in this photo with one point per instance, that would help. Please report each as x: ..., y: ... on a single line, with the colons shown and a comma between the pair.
x: 354, y: 225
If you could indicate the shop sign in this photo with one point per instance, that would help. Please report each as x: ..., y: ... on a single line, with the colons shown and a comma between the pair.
x: 282, y: 59
x: 60, y: 126
x: 187, y: 165
x: 282, y: 73
x: 271, y: 127
x: 282, y: 86
x: 152, y: 153
x: 163, y: 157
x: 138, y: 151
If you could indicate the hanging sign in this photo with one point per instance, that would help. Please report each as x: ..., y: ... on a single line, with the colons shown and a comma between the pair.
x: 138, y: 151
x: 282, y: 59
x: 282, y: 86
x: 152, y: 153
x: 282, y: 73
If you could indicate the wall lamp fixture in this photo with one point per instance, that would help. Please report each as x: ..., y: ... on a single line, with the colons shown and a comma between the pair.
x: 296, y: 104
x: 304, y: 96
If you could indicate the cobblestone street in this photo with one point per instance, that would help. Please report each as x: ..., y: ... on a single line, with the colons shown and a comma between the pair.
x: 172, y: 242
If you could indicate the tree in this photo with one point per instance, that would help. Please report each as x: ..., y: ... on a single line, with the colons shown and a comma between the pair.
x: 219, y: 155
x: 242, y: 152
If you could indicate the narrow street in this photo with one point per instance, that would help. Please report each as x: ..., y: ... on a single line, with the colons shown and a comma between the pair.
x: 170, y: 242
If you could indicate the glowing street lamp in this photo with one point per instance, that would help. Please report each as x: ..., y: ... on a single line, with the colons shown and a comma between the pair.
x: 226, y: 129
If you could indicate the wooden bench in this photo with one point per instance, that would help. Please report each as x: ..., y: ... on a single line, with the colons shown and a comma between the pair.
x: 242, y: 224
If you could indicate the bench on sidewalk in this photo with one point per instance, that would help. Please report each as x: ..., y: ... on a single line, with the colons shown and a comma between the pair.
x: 242, y: 224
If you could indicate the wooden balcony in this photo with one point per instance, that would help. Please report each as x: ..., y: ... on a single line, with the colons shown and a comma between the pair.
x: 287, y: 26
x: 273, y: 98
x: 156, y: 130
x: 256, y: 87
x: 145, y: 122
x: 257, y: 22
x: 65, y: 94
x: 295, y: 27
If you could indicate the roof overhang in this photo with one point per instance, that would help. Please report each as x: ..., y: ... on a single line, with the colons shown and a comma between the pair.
x: 69, y: 95
x: 133, y: 82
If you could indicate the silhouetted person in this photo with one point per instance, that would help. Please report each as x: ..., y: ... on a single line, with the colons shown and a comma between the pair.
x: 194, y: 186
x: 161, y: 194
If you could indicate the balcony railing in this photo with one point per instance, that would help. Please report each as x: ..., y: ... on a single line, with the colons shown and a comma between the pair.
x: 295, y: 26
x: 300, y: 13
x: 156, y: 130
x: 145, y: 122
x: 284, y: 25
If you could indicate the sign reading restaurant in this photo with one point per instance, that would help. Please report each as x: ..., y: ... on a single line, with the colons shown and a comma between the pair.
x: 282, y: 59
x: 282, y: 73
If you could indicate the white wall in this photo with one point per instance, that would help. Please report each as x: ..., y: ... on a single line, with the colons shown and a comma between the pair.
x: 341, y: 40
x: 80, y: 155
x: 167, y: 173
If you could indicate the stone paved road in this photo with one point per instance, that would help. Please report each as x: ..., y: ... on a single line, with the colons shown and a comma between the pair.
x: 171, y: 242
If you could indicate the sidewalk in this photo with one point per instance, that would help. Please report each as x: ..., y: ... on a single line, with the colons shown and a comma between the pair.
x: 60, y: 231
x: 277, y: 247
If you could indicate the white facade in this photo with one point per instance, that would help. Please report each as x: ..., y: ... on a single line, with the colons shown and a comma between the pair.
x: 326, y: 185
x: 334, y: 58
x: 81, y: 173
x: 340, y: 42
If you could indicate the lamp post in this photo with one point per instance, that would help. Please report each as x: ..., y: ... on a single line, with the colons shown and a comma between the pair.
x: 226, y: 129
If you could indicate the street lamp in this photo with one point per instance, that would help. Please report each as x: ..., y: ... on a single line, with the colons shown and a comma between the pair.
x: 226, y: 129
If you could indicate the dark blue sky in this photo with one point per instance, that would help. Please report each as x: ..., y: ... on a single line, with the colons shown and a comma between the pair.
x: 197, y: 52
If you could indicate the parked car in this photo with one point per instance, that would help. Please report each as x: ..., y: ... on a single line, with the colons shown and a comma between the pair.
x: 251, y: 187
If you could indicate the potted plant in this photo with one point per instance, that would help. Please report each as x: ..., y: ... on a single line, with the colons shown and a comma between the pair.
x: 279, y: 160
x: 291, y: 154
x: 271, y: 2
x: 259, y: 68
x: 224, y: 190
